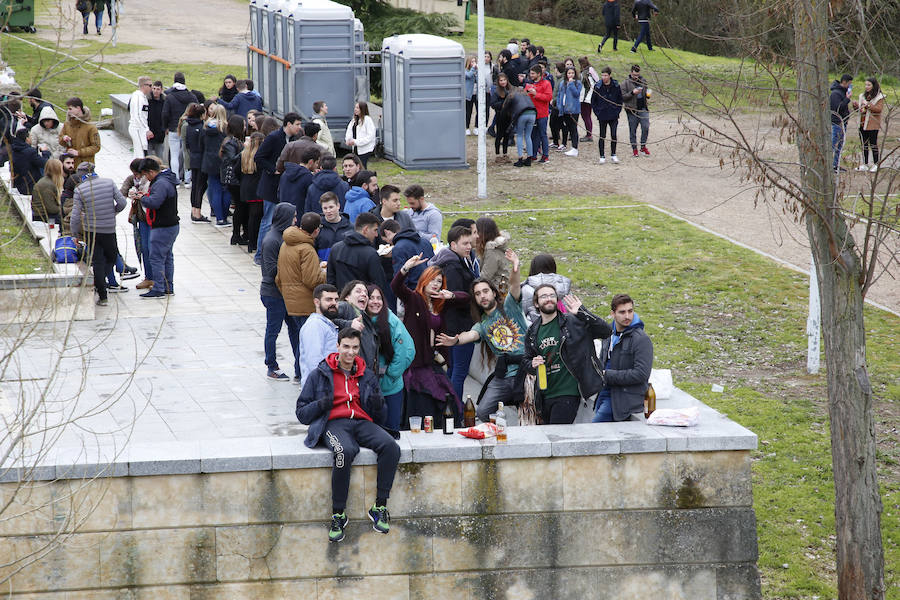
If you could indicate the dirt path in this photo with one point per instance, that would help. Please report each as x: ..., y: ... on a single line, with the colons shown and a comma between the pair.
x: 688, y: 183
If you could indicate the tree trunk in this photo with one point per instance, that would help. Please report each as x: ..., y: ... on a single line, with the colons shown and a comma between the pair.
x: 857, y: 506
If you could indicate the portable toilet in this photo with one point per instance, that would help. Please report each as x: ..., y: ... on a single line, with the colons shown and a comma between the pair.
x: 279, y: 64
x: 424, y: 85
x: 388, y: 67
x: 257, y: 51
x: 322, y: 57
x: 361, y: 72
x: 273, y: 45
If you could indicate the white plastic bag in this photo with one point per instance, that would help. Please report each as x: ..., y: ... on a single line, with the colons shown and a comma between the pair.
x: 661, y: 379
x: 675, y: 417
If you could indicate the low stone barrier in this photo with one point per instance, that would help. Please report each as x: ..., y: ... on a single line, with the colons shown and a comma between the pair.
x: 617, y: 510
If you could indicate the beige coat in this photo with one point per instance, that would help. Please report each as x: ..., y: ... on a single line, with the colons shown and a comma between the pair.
x: 85, y: 137
x: 870, y: 116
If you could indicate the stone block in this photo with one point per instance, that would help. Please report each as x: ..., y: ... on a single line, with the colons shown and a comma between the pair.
x: 158, y: 556
x: 170, y: 458
x: 708, y: 479
x: 622, y: 481
x: 738, y: 582
x: 73, y: 565
x: 289, y: 452
x: 581, y: 439
x: 354, y: 588
x: 236, y: 454
x: 190, y: 500
x: 298, y: 588
x: 301, y: 495
x: 672, y: 583
x: 517, y: 486
x: 303, y: 550
x: 436, y: 447
x: 636, y: 437
x: 422, y: 489
x: 90, y: 461
x: 241, y: 552
x: 167, y: 592
x: 522, y: 442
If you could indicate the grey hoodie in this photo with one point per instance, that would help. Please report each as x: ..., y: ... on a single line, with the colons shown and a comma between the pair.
x: 282, y: 218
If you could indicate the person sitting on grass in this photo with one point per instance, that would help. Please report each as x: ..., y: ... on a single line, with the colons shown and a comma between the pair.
x: 342, y: 404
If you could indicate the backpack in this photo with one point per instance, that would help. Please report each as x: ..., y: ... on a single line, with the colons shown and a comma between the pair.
x: 66, y: 250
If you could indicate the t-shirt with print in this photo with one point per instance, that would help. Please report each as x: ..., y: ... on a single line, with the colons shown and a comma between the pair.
x: 559, y: 381
x: 505, y: 334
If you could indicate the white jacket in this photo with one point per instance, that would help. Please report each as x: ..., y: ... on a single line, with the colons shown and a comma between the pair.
x: 138, y: 109
x: 365, y: 135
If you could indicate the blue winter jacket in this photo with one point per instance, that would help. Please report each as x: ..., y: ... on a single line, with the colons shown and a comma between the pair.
x: 317, y: 398
x: 607, y: 100
x: 471, y: 80
x: 358, y: 201
x: 325, y: 181
x: 243, y: 103
x: 404, y: 353
x: 294, y: 184
x: 568, y: 98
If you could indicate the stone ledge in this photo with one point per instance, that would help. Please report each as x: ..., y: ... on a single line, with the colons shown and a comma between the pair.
x: 715, y: 432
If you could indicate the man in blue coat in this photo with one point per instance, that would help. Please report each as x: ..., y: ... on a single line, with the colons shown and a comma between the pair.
x: 244, y: 101
x: 341, y: 402
x: 406, y: 244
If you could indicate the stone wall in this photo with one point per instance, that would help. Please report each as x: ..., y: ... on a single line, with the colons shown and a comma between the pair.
x: 580, y: 511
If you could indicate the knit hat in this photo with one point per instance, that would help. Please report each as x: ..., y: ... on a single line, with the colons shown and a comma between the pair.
x: 85, y: 168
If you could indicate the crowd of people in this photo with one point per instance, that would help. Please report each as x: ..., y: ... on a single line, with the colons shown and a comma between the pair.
x: 536, y: 104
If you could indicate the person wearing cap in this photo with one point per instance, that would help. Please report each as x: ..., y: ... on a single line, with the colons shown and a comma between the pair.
x: 96, y: 202
x: 161, y: 203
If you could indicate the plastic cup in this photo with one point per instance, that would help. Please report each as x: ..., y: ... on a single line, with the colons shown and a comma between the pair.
x: 415, y: 424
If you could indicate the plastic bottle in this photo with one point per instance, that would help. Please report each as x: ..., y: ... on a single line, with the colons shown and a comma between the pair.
x: 542, y: 376
x: 469, y: 412
x: 434, y: 242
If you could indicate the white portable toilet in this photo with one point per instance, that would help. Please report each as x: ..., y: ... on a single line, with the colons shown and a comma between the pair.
x: 361, y: 72
x: 321, y: 51
x: 423, y: 89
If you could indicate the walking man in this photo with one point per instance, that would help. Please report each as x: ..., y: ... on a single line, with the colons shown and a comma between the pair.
x: 341, y: 402
x: 627, y: 359
x: 563, y: 343
x: 642, y: 11
x: 138, y: 110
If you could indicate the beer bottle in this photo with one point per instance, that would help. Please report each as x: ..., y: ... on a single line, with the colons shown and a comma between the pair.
x: 448, y: 416
x: 649, y: 401
x: 469, y: 412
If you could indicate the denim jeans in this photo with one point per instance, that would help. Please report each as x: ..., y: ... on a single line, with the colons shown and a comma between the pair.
x: 162, y: 259
x: 276, y: 314
x: 603, y: 412
x: 394, y: 404
x: 144, y: 231
x: 219, y: 198
x: 635, y: 118
x: 643, y: 36
x: 837, y: 143
x: 460, y: 357
x: 524, y: 127
x: 175, y: 154
x: 498, y: 390
x: 264, y: 226
x: 111, y: 270
x: 539, y: 141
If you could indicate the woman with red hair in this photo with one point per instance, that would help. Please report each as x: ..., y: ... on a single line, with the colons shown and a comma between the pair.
x: 426, y: 382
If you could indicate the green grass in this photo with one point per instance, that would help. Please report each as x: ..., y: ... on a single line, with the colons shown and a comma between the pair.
x: 720, y: 313
x: 19, y: 252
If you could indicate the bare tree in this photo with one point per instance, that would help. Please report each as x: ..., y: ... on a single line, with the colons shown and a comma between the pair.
x: 854, y: 237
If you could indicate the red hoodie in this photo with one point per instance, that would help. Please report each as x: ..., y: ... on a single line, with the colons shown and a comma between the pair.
x: 346, y: 390
x: 542, y: 98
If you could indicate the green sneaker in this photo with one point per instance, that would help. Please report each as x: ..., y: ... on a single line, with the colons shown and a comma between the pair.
x: 381, y: 519
x: 338, y: 522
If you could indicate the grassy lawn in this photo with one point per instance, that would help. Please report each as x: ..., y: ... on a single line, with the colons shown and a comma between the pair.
x: 720, y: 314
x: 19, y: 253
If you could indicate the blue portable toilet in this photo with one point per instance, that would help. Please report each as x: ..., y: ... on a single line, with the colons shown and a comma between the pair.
x: 423, y: 89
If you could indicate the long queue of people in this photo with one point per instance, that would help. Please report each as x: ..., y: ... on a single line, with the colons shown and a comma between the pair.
x: 530, y: 97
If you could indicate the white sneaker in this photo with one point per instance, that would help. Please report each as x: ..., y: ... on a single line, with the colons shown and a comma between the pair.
x: 468, y: 132
x: 874, y: 169
x: 602, y: 160
x: 862, y: 167
x: 572, y: 152
x: 614, y: 158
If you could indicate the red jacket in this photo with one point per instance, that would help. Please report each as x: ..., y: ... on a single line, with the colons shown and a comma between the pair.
x: 346, y: 390
x: 542, y: 98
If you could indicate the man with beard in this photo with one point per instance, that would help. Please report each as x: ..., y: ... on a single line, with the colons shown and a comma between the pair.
x: 503, y: 329
x: 318, y: 336
x: 563, y: 343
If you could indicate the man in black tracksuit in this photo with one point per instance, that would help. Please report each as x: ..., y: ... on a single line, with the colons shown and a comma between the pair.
x: 627, y: 359
x: 642, y: 11
x: 563, y: 343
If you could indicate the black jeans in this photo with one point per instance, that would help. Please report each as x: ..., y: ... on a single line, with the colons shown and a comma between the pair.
x: 254, y: 218
x: 198, y: 187
x: 103, y: 249
x: 869, y: 139
x: 555, y: 122
x: 614, y: 32
x: 560, y: 410
x: 570, y: 127
x: 613, y: 126
x: 344, y: 437
x: 240, y: 220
